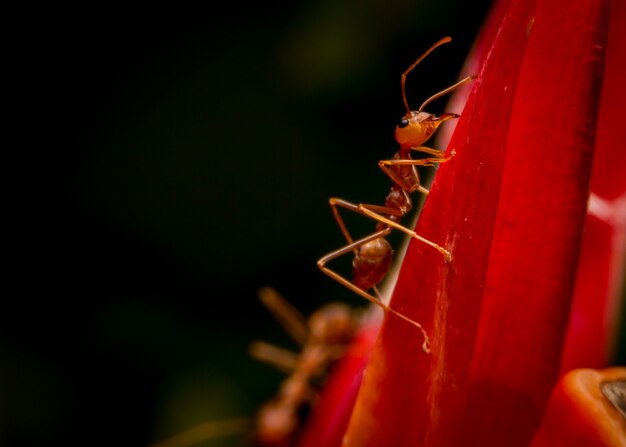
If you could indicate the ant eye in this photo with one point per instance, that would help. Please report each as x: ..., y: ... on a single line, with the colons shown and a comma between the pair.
x: 403, y: 123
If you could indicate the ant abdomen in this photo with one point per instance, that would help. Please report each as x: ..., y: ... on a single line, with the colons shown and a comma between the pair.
x: 371, y: 263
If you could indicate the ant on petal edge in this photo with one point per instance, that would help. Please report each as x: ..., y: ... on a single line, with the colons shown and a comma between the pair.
x: 373, y: 254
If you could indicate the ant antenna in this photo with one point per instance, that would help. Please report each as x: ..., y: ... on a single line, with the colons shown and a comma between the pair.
x: 408, y: 70
x: 446, y: 91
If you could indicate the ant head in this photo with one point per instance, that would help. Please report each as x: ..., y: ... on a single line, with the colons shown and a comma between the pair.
x: 333, y: 323
x: 416, y: 127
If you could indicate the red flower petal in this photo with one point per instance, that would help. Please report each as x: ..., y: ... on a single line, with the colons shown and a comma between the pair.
x: 540, y: 220
x: 409, y: 398
x: 328, y: 422
x: 591, y: 333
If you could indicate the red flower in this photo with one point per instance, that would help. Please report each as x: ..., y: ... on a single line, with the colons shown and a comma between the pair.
x: 511, y: 208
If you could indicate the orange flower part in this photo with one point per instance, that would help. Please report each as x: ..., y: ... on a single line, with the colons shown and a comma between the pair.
x: 584, y: 410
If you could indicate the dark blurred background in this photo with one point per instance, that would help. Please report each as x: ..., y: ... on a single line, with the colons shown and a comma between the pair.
x: 174, y: 162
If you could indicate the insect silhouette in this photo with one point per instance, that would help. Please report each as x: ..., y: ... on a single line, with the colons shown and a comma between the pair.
x: 323, y: 338
x: 373, y: 253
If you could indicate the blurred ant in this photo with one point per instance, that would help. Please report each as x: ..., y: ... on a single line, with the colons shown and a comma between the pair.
x: 373, y: 254
x: 324, y: 338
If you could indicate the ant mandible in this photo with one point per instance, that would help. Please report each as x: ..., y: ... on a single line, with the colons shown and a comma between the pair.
x: 373, y: 254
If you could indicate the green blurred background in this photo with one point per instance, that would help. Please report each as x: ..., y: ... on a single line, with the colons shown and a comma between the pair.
x: 179, y: 161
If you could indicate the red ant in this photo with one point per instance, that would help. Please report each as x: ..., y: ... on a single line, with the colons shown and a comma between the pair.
x: 373, y: 254
x: 324, y: 338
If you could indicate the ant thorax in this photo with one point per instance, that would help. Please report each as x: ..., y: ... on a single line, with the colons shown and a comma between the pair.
x: 399, y: 199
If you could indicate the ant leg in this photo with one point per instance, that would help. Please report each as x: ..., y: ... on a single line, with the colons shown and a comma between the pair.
x: 368, y: 212
x: 340, y: 203
x: 429, y: 150
x: 279, y: 358
x: 440, y: 158
x: 385, y: 166
x: 288, y: 316
x: 346, y: 283
x: 372, y: 211
x: 334, y: 204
